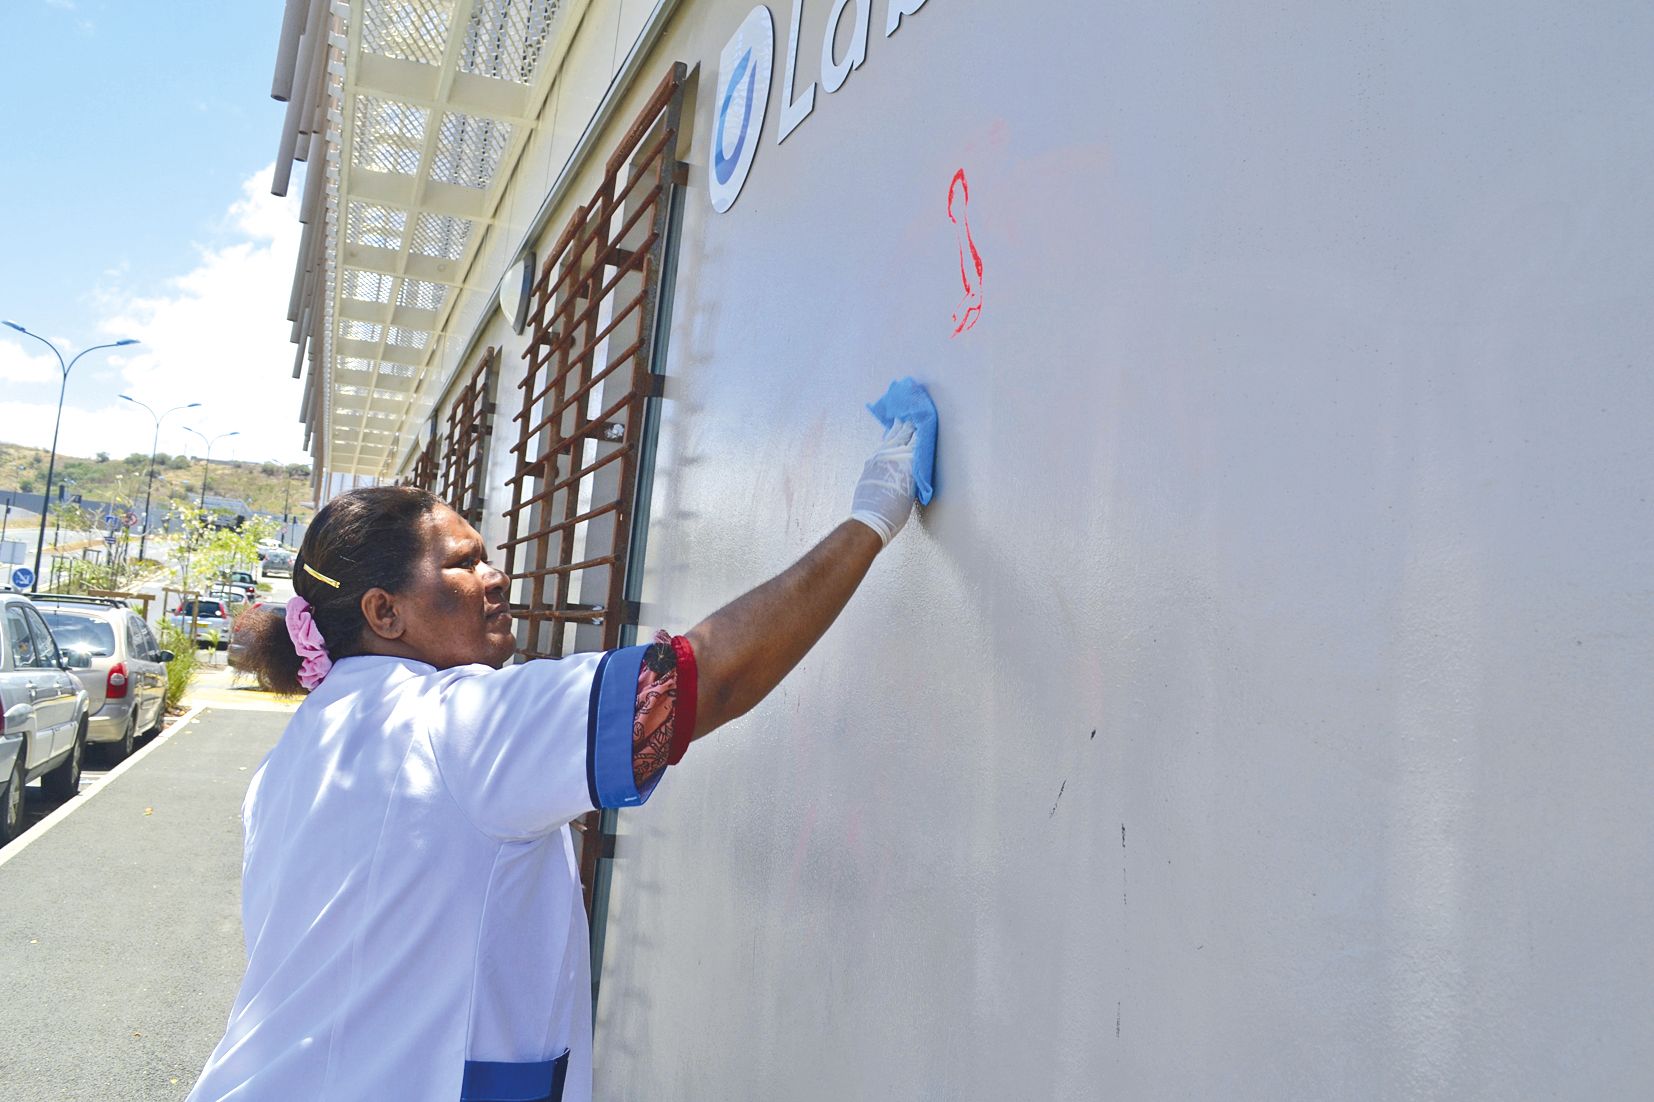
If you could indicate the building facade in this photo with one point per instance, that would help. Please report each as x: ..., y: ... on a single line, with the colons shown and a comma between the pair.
x: 1261, y: 709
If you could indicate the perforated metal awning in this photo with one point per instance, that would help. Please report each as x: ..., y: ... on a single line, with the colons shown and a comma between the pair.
x: 410, y: 115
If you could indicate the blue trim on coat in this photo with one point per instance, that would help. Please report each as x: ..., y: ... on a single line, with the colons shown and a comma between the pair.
x: 609, y: 730
x: 496, y: 1081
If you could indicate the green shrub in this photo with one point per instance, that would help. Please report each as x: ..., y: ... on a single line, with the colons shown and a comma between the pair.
x: 185, y: 659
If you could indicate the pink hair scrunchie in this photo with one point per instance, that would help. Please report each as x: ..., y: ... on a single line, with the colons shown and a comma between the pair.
x: 307, y: 640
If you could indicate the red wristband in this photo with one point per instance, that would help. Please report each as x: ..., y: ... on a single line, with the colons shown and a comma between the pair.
x: 683, y: 719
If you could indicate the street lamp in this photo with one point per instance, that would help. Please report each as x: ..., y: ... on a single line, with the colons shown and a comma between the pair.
x: 143, y: 539
x: 206, y: 459
x: 51, y: 464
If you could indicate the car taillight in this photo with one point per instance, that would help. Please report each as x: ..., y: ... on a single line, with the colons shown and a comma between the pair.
x: 115, y: 687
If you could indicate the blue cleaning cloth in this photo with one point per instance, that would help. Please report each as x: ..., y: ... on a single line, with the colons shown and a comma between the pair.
x: 907, y: 400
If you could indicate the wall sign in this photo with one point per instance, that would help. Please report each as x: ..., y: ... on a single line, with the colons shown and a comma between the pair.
x: 516, y: 288
x: 744, y: 83
x: 743, y: 94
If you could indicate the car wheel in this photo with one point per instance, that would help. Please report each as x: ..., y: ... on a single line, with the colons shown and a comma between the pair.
x: 160, y: 717
x: 120, y: 751
x: 11, y: 802
x: 64, y: 781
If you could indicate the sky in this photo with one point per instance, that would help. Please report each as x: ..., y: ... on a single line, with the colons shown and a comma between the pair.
x: 135, y: 203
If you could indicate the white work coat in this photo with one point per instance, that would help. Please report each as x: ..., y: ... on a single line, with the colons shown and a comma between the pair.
x: 410, y: 898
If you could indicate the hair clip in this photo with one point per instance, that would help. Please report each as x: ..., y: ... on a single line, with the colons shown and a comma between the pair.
x: 318, y: 575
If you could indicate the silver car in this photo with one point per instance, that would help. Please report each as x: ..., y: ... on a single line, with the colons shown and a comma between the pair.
x: 210, y: 614
x: 277, y: 561
x: 44, y: 713
x: 126, y: 682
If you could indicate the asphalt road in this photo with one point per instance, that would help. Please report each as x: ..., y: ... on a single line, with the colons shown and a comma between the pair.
x: 120, y: 928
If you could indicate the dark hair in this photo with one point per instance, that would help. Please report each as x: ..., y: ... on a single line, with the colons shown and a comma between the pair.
x: 364, y: 539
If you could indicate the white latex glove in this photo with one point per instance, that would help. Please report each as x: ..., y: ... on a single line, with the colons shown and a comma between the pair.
x: 884, y: 496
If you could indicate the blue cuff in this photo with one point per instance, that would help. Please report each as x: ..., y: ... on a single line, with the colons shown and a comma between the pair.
x: 609, y: 731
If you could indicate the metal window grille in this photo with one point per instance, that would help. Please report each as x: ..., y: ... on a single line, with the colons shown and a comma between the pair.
x: 425, y: 467
x: 580, y: 426
x: 470, y: 422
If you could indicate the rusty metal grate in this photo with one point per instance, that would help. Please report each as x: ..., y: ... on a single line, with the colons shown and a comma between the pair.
x: 424, y: 472
x: 470, y: 421
x: 580, y: 425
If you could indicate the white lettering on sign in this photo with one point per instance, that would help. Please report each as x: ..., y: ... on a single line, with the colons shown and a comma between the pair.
x: 794, y: 111
x: 834, y: 72
x: 744, y: 84
x: 897, y: 9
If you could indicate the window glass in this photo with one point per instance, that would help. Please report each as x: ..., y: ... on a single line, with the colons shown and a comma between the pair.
x: 136, y: 645
x: 19, y: 639
x: 79, y: 632
x: 45, y: 649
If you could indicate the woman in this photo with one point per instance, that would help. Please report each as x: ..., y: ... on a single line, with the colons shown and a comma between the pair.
x: 410, y: 899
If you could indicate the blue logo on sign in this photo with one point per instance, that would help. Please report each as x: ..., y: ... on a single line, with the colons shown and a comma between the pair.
x: 745, y: 59
x: 724, y: 167
x: 22, y: 578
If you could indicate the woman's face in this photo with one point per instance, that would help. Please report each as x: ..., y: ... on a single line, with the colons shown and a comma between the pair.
x: 455, y: 609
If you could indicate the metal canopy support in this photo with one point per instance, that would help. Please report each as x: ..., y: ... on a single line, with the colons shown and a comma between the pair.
x: 410, y: 115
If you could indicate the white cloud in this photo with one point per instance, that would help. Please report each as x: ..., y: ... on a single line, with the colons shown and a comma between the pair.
x: 18, y: 365
x: 217, y: 335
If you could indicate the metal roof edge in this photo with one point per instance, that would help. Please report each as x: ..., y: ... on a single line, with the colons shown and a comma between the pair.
x: 619, y: 85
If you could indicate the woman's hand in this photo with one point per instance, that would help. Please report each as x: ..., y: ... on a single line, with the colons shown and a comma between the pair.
x: 884, y: 496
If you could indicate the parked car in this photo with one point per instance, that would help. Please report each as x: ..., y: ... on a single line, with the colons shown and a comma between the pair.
x: 277, y: 561
x: 126, y: 680
x: 236, y: 649
x: 44, y: 716
x: 203, y: 616
x: 241, y: 582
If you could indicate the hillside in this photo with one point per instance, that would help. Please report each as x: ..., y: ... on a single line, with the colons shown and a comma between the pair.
x: 108, y: 478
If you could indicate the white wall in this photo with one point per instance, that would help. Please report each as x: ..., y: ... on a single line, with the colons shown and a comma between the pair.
x: 1262, y: 709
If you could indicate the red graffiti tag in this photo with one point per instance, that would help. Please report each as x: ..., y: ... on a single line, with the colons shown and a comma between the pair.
x: 970, y: 307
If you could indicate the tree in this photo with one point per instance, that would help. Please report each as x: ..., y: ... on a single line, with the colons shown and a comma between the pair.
x: 178, y: 462
x: 162, y: 459
x: 211, y: 550
x: 103, y: 457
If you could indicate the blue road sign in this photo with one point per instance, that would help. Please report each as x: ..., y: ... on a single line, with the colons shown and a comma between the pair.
x: 22, y: 578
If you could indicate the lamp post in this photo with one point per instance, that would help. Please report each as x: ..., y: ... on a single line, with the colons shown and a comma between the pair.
x: 143, y: 539
x: 51, y: 464
x: 207, y: 458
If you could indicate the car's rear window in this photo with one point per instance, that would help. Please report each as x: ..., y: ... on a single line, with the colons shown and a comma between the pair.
x: 85, y: 634
x: 208, y: 608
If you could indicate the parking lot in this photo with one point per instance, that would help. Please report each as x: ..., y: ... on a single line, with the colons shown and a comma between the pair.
x: 120, y: 938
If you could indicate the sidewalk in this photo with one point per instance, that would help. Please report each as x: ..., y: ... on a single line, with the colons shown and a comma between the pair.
x: 120, y: 930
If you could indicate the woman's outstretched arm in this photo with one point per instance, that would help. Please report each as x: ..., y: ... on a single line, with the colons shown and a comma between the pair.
x: 743, y: 650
